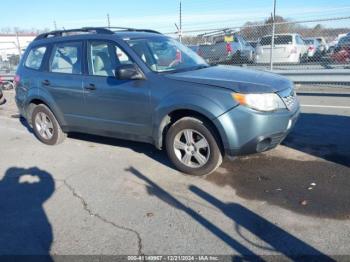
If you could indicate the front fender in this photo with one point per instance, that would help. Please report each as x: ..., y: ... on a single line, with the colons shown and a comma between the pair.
x: 200, y: 104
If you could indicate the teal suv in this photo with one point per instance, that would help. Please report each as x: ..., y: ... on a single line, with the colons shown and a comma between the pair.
x: 144, y: 86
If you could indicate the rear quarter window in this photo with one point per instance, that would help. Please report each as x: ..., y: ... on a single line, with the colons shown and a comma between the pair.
x: 35, y: 57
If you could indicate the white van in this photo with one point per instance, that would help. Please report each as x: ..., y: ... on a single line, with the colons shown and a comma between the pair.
x: 288, y: 48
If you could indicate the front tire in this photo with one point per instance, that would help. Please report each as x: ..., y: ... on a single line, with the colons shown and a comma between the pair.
x: 46, y: 127
x: 193, y: 147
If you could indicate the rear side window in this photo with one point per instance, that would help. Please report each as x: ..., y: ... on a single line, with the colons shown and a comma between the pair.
x: 35, y: 57
x: 66, y: 58
x: 309, y: 42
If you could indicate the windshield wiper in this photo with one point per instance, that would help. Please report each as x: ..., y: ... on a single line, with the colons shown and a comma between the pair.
x: 193, y: 68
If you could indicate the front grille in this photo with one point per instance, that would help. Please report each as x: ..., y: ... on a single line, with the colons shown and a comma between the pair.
x: 290, y: 99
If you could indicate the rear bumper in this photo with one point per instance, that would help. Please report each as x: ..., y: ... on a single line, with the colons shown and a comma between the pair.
x: 265, y: 59
x: 245, y: 131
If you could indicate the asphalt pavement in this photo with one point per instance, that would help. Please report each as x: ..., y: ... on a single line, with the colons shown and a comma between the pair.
x: 99, y: 196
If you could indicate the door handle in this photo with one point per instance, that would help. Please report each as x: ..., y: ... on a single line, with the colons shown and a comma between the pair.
x: 90, y: 87
x: 46, y: 82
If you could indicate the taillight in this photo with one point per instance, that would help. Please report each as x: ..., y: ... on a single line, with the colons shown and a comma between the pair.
x: 229, y: 49
x: 311, y: 48
x: 178, y: 56
x: 16, y: 80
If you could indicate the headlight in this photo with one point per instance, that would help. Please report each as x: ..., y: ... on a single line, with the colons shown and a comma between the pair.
x: 262, y: 102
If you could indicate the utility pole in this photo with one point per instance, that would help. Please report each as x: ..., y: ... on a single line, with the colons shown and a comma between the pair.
x: 54, y: 25
x: 18, y: 45
x: 273, y: 34
x: 108, y: 21
x: 180, y: 23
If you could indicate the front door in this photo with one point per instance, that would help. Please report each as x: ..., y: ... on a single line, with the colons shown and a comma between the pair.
x: 115, y: 107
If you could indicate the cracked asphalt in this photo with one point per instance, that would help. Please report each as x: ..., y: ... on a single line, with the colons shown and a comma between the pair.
x: 99, y: 196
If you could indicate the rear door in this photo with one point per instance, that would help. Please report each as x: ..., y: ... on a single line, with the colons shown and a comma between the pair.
x: 282, y: 46
x: 63, y: 81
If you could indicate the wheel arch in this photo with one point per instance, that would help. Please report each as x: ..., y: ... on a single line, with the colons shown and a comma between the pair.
x: 170, y: 118
x: 34, y: 101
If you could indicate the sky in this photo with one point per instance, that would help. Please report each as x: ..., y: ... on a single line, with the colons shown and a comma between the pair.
x: 163, y: 14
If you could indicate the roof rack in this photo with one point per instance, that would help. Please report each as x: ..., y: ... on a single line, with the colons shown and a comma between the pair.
x: 134, y: 29
x: 57, y: 33
x: 96, y: 30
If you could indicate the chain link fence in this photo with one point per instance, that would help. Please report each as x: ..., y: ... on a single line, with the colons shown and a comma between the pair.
x: 307, y: 51
x: 8, y: 65
x: 302, y: 46
x: 9, y: 60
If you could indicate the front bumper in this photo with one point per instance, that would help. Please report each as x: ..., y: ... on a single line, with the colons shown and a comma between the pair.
x: 246, y: 131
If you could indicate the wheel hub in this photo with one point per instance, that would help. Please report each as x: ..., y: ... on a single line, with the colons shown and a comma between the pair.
x: 191, y: 148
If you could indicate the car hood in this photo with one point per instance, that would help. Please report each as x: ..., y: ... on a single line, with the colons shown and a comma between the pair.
x: 236, y: 79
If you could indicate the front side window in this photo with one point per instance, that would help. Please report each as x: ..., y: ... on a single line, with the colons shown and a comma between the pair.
x: 35, y: 57
x: 104, y: 57
x: 66, y: 58
x: 165, y: 54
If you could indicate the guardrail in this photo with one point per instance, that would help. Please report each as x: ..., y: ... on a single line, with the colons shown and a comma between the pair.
x: 324, y: 76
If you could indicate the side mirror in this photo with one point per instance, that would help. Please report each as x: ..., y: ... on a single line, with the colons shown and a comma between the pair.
x: 129, y: 72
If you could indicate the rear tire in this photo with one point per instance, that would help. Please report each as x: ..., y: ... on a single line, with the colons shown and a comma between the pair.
x: 193, y: 147
x: 46, y: 127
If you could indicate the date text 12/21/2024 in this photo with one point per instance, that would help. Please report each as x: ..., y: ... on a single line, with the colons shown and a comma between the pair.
x: 173, y: 258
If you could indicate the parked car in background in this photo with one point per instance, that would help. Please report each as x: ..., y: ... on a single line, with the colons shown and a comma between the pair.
x: 253, y: 43
x: 323, y: 45
x: 210, y: 53
x: 237, y: 51
x: 2, y: 98
x: 314, y: 52
x: 6, y: 82
x: 288, y: 48
x: 144, y: 86
x: 194, y: 48
x: 332, y: 45
x: 341, y: 52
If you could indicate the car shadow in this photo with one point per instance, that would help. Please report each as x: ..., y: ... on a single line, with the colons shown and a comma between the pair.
x: 139, y: 147
x: 324, y: 136
x: 280, y: 240
x: 277, y: 238
x: 24, y: 123
x: 26, y: 233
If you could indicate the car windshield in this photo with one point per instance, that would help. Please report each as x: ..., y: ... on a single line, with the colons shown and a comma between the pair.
x: 166, y: 55
x: 279, y: 40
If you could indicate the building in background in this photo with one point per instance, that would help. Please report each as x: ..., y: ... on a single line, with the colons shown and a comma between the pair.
x: 12, y: 44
